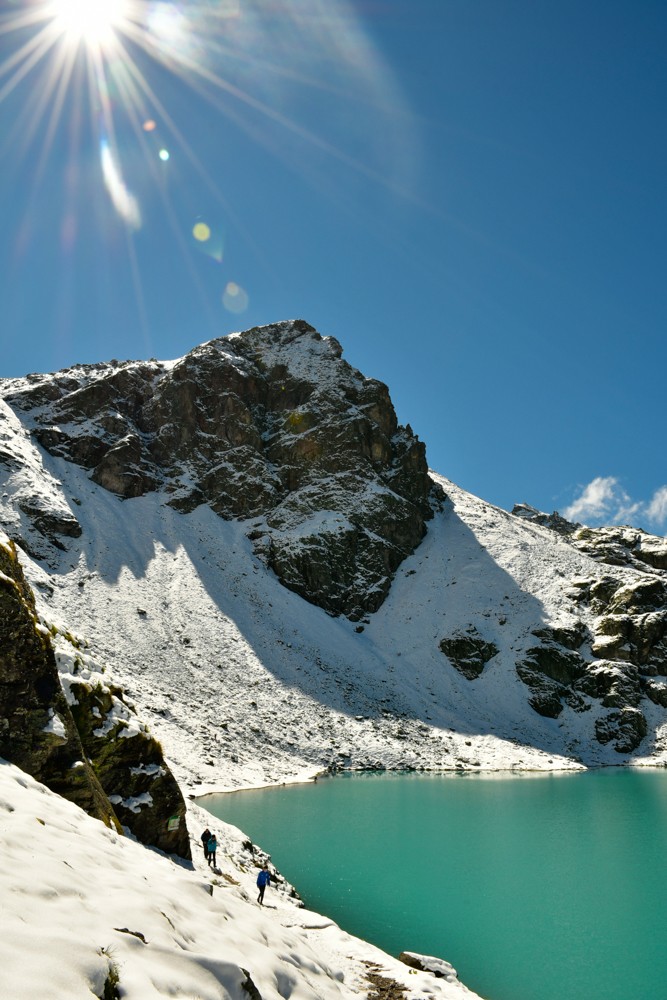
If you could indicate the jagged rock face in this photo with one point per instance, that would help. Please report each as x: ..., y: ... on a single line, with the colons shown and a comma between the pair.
x: 627, y: 647
x: 79, y: 745
x: 612, y: 664
x: 270, y: 424
x: 131, y: 768
x: 617, y: 546
x: 37, y: 731
x: 38, y: 518
x: 554, y: 521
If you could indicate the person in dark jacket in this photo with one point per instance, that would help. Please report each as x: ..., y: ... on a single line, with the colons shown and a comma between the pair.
x: 263, y: 879
x: 205, y: 837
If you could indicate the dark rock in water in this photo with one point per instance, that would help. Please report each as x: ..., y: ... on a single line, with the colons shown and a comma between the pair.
x: 270, y: 424
x: 468, y: 652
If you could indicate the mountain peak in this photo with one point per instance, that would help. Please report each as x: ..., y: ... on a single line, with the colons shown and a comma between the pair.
x: 269, y: 424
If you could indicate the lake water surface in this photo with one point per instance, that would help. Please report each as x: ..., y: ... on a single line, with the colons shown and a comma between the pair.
x: 546, y: 887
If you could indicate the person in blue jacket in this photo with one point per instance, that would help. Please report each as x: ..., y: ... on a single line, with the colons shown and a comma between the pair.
x: 263, y: 879
x: 212, y: 848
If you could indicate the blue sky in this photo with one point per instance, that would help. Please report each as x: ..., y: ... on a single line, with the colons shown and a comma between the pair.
x: 468, y: 194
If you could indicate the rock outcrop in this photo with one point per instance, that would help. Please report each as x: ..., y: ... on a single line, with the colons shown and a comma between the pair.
x: 82, y: 740
x: 618, y: 660
x: 37, y: 731
x: 127, y: 759
x: 468, y: 651
x: 270, y: 425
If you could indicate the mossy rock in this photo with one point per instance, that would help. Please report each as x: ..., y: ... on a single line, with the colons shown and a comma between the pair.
x: 37, y: 730
x: 131, y: 768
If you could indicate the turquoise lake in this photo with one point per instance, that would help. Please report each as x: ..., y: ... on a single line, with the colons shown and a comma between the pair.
x: 546, y: 887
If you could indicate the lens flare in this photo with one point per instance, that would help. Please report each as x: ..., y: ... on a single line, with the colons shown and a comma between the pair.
x: 123, y: 201
x: 235, y: 298
x: 201, y: 232
x: 208, y: 240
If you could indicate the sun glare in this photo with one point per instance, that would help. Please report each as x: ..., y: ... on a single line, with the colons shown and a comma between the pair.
x: 107, y: 69
x: 89, y: 21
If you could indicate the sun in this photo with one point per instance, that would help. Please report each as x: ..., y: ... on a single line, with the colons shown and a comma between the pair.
x: 91, y: 22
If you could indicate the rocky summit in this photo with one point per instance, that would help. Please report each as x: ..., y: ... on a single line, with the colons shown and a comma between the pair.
x: 237, y: 567
x: 269, y: 426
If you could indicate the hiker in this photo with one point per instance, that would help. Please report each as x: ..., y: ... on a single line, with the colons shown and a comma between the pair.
x: 212, y: 848
x: 263, y: 880
x: 205, y: 837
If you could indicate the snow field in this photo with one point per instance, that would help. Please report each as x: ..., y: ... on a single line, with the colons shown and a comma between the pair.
x: 80, y: 900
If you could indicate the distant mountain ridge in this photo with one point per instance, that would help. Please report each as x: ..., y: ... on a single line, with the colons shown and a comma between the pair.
x: 257, y: 549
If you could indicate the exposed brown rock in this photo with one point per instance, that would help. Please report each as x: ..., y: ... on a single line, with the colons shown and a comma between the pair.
x: 269, y: 424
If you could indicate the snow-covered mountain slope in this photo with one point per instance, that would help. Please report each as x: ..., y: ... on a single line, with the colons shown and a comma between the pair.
x: 89, y: 913
x: 487, y: 652
x: 267, y: 686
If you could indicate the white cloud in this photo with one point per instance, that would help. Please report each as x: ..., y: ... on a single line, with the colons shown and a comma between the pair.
x: 657, y: 508
x: 596, y: 500
x: 604, y: 501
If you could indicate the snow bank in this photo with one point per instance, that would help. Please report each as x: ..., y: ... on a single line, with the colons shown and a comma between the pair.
x: 81, y: 904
